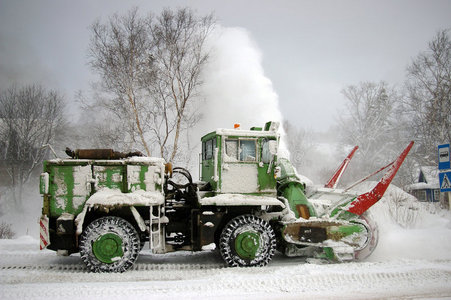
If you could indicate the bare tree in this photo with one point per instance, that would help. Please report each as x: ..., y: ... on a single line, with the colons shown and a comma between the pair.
x: 6, y: 231
x: 179, y: 57
x: 30, y: 117
x: 370, y: 124
x: 428, y: 102
x: 120, y: 51
x: 150, y: 71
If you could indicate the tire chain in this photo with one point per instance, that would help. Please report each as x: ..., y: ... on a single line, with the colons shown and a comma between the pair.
x: 225, y: 248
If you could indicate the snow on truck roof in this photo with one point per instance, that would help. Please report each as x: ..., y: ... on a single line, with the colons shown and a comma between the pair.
x: 269, y: 130
x: 245, y: 133
x: 131, y: 160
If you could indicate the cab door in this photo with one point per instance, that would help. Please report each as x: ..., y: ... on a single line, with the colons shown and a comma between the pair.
x: 209, y: 172
x: 239, y: 172
x: 266, y: 180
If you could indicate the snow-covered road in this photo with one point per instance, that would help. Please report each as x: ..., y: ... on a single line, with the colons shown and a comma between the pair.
x: 410, y: 262
x: 27, y: 273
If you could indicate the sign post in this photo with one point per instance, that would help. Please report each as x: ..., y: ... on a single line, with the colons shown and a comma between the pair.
x: 444, y: 166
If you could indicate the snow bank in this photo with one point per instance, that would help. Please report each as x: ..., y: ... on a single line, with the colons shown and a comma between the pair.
x: 421, y: 232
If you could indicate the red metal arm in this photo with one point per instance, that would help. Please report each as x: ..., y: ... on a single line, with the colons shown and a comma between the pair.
x: 363, y: 202
x: 333, y: 181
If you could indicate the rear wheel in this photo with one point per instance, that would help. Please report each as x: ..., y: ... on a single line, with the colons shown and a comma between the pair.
x: 247, y: 241
x: 109, y: 244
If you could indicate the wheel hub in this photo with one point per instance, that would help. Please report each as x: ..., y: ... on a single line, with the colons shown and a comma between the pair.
x: 247, y: 244
x: 108, y: 247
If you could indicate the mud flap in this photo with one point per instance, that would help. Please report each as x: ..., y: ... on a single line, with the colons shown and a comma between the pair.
x: 44, y: 232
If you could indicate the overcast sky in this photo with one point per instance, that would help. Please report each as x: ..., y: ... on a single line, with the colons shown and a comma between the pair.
x: 311, y: 49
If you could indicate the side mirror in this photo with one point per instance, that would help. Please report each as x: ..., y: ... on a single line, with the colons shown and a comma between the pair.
x: 272, y: 147
x: 269, y: 151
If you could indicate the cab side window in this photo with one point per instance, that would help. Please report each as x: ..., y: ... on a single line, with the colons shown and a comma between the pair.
x: 266, y: 154
x: 208, y: 149
x: 240, y: 150
x: 248, y: 151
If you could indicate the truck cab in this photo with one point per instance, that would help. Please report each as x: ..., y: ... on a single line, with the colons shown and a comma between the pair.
x: 240, y: 161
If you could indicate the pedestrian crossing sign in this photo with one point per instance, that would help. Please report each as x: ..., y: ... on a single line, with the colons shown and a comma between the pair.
x: 445, y: 181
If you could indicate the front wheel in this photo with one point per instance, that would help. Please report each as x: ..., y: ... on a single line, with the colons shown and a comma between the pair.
x: 109, y: 244
x: 247, y: 241
x: 372, y: 236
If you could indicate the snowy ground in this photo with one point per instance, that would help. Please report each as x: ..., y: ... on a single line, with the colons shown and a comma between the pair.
x: 407, y: 264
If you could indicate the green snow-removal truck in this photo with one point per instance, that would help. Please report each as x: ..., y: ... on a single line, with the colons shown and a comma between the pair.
x: 248, y: 203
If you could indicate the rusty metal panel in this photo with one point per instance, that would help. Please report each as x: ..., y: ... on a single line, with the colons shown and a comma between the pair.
x: 100, y: 154
x: 207, y: 222
x: 94, y: 153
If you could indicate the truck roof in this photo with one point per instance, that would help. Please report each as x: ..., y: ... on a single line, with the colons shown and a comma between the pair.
x: 270, y: 130
x: 127, y: 161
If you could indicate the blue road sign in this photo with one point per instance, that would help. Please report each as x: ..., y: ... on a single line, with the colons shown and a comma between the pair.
x: 445, y: 181
x: 444, y: 162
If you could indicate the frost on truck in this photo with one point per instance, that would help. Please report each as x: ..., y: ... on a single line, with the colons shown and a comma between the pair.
x: 248, y: 203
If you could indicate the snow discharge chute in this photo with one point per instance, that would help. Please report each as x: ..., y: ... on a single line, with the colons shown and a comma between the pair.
x: 363, y: 202
x: 333, y: 181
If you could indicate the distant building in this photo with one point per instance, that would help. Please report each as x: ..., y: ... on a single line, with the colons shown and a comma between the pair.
x: 427, y: 189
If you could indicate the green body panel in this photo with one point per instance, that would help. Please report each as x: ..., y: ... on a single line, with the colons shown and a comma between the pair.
x: 208, y: 165
x: 68, y: 188
x: 143, y: 177
x: 340, y: 213
x: 266, y: 180
x: 294, y: 193
x: 71, y: 182
x: 208, y: 172
x: 339, y: 232
x: 139, y: 178
x: 42, y: 184
x: 328, y: 253
x: 291, y: 188
x: 111, y: 177
x: 287, y: 172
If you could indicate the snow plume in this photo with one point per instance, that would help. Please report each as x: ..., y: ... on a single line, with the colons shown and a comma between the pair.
x: 235, y: 87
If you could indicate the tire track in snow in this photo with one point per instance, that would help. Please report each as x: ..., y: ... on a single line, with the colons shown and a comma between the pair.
x: 211, y: 279
x: 81, y: 268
